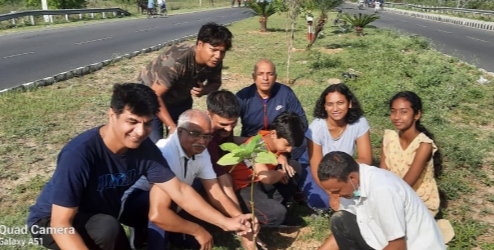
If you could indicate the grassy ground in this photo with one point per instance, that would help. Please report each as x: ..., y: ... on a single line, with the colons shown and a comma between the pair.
x: 35, y: 125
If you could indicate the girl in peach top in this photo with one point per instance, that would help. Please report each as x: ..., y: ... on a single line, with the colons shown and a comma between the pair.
x: 410, y: 151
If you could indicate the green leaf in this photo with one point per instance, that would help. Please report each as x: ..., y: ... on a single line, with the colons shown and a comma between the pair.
x: 253, y: 144
x: 243, y: 154
x: 266, y: 158
x: 229, y: 159
x: 229, y: 146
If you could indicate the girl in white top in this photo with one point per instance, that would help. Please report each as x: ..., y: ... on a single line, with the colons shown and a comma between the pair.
x: 338, y: 126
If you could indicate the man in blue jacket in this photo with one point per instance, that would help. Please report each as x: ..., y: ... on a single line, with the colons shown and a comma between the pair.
x: 262, y: 101
x: 265, y: 99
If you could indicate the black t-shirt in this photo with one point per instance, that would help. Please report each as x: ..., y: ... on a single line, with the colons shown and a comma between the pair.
x: 91, y: 177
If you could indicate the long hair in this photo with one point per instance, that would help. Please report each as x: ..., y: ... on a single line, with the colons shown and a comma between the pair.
x: 354, y: 113
x: 416, y: 105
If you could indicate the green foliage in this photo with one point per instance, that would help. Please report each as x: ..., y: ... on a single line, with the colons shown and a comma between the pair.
x: 466, y: 233
x: 322, y: 6
x: 360, y: 20
x: 59, y: 4
x: 253, y: 150
x: 263, y: 9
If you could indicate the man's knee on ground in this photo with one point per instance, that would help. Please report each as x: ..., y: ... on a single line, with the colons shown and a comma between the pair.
x: 107, y: 224
x: 276, y: 215
x: 339, y: 221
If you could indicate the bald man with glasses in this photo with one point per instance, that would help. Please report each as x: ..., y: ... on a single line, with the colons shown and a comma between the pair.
x: 186, y: 155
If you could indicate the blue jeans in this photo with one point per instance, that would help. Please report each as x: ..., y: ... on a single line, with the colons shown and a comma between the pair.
x: 175, y: 111
x: 316, y: 197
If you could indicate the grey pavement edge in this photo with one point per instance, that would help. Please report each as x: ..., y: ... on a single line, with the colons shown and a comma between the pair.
x: 88, y: 69
x: 478, y: 24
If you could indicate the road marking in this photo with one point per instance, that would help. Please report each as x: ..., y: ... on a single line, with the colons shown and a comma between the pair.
x: 444, y: 31
x: 146, y: 29
x: 203, y: 19
x: 180, y: 23
x: 22, y: 54
x: 101, y: 39
x: 403, y: 21
x: 477, y: 39
x: 423, y: 26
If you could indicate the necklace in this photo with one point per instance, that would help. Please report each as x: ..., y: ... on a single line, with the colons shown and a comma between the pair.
x: 340, y: 133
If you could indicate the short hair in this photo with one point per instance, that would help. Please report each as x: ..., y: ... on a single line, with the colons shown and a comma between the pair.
x: 264, y: 60
x: 215, y: 35
x: 140, y: 99
x: 223, y: 103
x: 354, y: 113
x: 185, y: 118
x: 337, y: 165
x: 289, y: 125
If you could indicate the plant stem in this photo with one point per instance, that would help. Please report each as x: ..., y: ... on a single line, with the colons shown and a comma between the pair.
x: 252, y: 199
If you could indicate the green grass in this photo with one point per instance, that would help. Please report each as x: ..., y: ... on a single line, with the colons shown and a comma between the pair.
x: 34, y: 125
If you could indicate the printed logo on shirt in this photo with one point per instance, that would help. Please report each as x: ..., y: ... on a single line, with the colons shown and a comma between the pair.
x: 117, y: 180
x: 279, y: 107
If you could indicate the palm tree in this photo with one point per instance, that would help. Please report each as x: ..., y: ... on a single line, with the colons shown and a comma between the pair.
x: 263, y: 10
x: 359, y: 21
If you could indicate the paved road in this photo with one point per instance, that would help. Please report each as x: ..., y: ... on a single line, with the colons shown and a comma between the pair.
x: 471, y: 45
x: 29, y: 56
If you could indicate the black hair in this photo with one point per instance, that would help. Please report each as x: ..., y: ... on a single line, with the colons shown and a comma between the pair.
x: 416, y: 105
x: 140, y: 99
x: 354, y: 113
x: 223, y: 103
x: 289, y: 125
x: 215, y: 35
x: 336, y: 164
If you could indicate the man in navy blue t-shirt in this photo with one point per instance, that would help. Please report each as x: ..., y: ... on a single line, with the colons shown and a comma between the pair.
x: 78, y: 208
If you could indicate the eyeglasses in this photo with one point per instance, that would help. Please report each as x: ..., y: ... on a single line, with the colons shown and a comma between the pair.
x: 197, y: 135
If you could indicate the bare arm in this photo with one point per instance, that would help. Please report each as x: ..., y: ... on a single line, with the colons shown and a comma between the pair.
x: 422, y: 156
x: 161, y: 215
x: 383, y: 159
x: 164, y: 115
x: 398, y: 244
x: 187, y: 198
x: 61, y: 217
x: 218, y: 198
x: 226, y: 184
x: 267, y: 176
x: 329, y: 244
x: 364, y: 149
x: 315, y: 157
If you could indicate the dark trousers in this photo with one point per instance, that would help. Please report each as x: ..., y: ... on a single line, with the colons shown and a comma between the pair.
x: 268, y: 203
x: 346, y: 231
x: 135, y: 214
x: 98, y: 231
x: 175, y: 111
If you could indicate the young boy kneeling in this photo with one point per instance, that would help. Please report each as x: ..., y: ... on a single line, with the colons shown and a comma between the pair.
x: 272, y: 187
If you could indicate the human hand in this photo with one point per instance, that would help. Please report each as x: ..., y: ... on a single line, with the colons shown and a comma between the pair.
x: 334, y: 202
x: 283, y: 161
x: 198, y: 91
x: 240, y: 223
x: 171, y: 129
x: 248, y: 242
x: 285, y: 177
x: 204, y: 239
